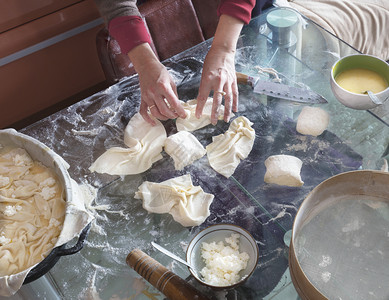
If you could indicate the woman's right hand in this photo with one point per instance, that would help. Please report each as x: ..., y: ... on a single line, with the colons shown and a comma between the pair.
x: 158, y: 90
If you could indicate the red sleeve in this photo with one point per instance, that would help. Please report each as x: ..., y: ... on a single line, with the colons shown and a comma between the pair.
x: 129, y: 32
x: 240, y: 9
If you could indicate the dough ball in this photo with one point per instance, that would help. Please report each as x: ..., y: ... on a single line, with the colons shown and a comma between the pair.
x: 283, y: 170
x: 184, y: 148
x: 312, y: 121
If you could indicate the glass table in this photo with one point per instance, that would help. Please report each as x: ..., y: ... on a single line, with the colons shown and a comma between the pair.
x: 302, y: 55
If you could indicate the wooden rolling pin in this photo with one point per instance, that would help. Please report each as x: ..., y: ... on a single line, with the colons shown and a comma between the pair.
x: 171, y: 285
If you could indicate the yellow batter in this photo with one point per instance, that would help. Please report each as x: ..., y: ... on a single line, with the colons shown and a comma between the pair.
x: 361, y: 80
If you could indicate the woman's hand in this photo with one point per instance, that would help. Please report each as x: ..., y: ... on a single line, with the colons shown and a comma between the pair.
x: 219, y: 70
x: 218, y: 76
x: 158, y: 90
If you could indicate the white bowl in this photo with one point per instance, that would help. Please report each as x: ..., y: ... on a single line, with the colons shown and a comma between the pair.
x: 354, y: 100
x: 216, y: 233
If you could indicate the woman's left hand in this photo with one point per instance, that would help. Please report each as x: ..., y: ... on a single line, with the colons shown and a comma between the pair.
x: 219, y: 70
x: 218, y: 76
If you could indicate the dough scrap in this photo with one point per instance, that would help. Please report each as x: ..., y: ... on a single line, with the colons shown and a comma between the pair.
x: 312, y: 121
x: 283, y: 170
x: 184, y: 148
x: 188, y: 204
x: 228, y: 149
x: 145, y: 144
x: 191, y: 123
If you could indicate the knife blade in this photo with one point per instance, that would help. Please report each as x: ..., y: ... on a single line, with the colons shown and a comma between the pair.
x: 280, y: 90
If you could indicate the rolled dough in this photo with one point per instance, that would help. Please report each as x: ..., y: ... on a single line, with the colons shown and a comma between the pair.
x: 184, y: 148
x: 283, y: 170
x: 312, y: 121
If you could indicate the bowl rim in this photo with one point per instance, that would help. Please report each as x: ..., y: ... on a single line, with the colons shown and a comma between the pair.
x: 229, y: 227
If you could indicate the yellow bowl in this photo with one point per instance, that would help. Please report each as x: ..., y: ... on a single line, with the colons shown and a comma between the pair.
x: 354, y: 100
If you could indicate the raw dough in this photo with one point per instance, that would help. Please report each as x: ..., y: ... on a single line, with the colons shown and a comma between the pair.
x: 188, y: 204
x: 184, y: 148
x: 228, y: 149
x: 283, y: 170
x: 32, y: 211
x: 145, y: 144
x: 191, y: 123
x: 312, y: 121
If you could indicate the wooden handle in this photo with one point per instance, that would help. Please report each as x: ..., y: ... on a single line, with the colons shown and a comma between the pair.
x: 242, y: 78
x: 171, y: 285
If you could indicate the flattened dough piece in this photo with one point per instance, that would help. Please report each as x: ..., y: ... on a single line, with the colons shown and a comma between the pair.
x: 188, y: 204
x: 184, y: 148
x: 145, y: 144
x: 312, y: 121
x: 283, y: 170
x: 191, y: 123
x: 228, y: 149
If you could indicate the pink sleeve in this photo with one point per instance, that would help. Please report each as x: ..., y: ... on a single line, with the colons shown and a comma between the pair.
x: 129, y: 32
x: 240, y: 9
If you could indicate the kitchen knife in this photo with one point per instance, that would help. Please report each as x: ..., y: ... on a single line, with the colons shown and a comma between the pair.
x: 279, y: 90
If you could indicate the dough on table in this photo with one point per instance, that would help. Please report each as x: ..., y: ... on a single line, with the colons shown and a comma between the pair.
x: 184, y: 148
x: 312, y: 121
x: 188, y: 204
x: 283, y: 170
x: 191, y: 123
x: 228, y: 149
x: 145, y: 144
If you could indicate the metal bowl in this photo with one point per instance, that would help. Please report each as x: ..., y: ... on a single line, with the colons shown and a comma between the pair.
x: 40, y: 152
x: 216, y: 233
x: 353, y: 100
x: 340, y: 239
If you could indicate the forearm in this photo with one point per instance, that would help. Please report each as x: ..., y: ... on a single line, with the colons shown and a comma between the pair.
x: 142, y: 56
x: 228, y: 27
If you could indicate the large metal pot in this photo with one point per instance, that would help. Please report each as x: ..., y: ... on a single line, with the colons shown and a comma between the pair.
x: 340, y: 239
x: 40, y: 152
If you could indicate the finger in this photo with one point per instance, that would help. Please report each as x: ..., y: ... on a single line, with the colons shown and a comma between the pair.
x: 164, y: 108
x: 144, y: 113
x: 228, y: 99
x: 235, y: 97
x: 217, y: 100
x: 202, y: 97
x: 154, y: 110
x: 175, y: 104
